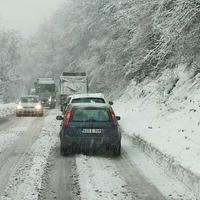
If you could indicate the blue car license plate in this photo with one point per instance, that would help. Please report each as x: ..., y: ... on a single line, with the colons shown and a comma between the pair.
x: 92, y: 131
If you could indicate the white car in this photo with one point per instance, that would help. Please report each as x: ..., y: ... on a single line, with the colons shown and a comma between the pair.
x: 29, y: 105
x: 85, y: 98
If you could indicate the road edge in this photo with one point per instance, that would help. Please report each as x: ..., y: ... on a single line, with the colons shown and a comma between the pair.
x: 169, y: 164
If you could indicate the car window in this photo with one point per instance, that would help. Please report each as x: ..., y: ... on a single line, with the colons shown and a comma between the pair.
x: 66, y: 104
x: 90, y: 115
x: 68, y: 100
x: 88, y: 100
x: 29, y: 100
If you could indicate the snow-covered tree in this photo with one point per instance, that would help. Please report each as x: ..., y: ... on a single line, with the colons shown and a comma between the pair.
x: 116, y: 41
x: 9, y: 57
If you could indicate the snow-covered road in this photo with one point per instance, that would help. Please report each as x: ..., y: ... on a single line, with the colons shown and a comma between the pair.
x: 32, y: 168
x: 95, y: 177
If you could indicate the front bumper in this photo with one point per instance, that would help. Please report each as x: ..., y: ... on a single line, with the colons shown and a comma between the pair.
x: 29, y: 112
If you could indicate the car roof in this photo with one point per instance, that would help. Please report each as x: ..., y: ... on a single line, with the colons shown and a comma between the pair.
x: 89, y: 105
x: 92, y: 95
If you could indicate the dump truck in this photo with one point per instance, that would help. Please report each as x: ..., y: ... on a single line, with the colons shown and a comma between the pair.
x: 72, y: 83
x: 46, y: 89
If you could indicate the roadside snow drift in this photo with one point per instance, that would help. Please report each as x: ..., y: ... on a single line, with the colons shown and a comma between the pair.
x: 7, y: 109
x: 165, y: 114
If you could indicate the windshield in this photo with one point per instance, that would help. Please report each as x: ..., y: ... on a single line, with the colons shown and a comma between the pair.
x: 88, y: 100
x: 46, y: 90
x: 90, y: 115
x: 29, y: 100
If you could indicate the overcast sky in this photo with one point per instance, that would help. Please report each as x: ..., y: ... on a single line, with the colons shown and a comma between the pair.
x: 26, y: 15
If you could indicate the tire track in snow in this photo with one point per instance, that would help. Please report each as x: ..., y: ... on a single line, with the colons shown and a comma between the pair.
x: 17, y: 153
x: 27, y: 181
x: 100, y: 179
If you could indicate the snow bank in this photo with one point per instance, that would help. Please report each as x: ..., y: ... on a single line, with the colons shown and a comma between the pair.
x: 163, y: 116
x: 7, y: 109
x: 27, y: 183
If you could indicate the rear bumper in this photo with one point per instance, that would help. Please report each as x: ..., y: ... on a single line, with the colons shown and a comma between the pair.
x: 90, y: 142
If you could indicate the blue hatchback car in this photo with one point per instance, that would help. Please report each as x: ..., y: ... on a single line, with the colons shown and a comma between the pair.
x: 87, y: 126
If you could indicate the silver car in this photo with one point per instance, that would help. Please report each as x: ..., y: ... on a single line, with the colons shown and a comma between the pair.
x: 85, y: 98
x: 29, y: 105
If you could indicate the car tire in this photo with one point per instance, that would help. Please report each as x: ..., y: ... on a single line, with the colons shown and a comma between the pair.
x: 64, y: 151
x: 116, y: 151
x: 85, y: 151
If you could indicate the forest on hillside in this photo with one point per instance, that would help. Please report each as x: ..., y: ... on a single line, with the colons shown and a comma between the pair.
x: 114, y: 41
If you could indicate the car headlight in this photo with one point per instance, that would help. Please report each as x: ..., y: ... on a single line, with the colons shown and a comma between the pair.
x: 50, y: 99
x: 38, y: 107
x: 19, y: 107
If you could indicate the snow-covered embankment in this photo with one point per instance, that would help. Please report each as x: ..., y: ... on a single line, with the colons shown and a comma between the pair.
x: 163, y: 117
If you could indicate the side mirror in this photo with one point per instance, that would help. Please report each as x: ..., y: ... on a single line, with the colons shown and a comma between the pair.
x: 118, y: 118
x: 59, y: 117
x: 111, y: 103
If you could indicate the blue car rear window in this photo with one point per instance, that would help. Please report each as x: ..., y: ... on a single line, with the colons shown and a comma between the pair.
x: 90, y: 115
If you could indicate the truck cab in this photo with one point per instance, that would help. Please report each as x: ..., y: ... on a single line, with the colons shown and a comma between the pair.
x: 46, y: 90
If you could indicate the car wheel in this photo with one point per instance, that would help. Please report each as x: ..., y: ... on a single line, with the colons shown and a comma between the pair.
x: 64, y: 151
x: 116, y: 150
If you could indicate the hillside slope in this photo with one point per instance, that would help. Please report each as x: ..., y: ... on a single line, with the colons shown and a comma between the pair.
x: 116, y: 41
x: 163, y: 117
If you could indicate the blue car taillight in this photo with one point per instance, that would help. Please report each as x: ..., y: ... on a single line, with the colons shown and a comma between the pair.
x: 114, y: 119
x: 67, y: 117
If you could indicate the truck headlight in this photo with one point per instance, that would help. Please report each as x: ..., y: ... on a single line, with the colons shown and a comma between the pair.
x: 38, y: 107
x: 19, y: 107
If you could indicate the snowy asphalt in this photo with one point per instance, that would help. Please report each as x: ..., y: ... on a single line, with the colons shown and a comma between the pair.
x: 31, y: 167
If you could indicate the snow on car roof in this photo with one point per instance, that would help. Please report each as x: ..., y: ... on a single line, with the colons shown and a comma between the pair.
x: 95, y: 95
x: 30, y: 96
x: 95, y: 105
